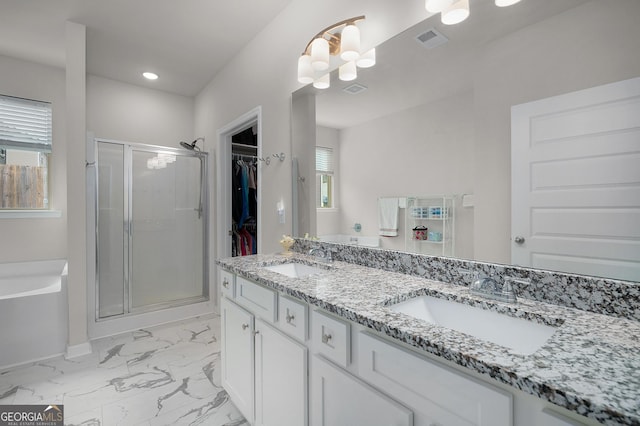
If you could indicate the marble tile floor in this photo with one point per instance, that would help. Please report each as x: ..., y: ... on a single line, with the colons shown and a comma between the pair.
x: 165, y: 375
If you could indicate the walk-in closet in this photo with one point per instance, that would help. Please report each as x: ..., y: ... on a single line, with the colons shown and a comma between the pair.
x: 244, y: 192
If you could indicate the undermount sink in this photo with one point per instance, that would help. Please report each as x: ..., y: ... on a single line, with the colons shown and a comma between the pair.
x: 521, y: 336
x: 295, y: 270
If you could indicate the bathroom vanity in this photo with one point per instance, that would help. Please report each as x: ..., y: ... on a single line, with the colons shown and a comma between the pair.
x: 310, y: 342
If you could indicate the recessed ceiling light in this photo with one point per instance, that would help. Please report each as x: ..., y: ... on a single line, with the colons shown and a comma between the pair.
x: 150, y: 75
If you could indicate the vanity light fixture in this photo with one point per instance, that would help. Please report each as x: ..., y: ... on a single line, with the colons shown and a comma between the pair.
x: 455, y: 11
x: 367, y: 59
x: 322, y: 82
x: 348, y: 71
x: 340, y: 39
x: 437, y: 6
x: 504, y: 3
x: 150, y: 75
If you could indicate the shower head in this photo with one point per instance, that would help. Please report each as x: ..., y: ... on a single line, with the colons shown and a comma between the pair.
x: 191, y: 146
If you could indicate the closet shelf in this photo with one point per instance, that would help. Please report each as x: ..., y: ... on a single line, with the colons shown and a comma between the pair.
x: 244, y: 146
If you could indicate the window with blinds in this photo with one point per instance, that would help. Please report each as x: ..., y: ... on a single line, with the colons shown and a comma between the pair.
x: 324, y: 177
x: 25, y: 147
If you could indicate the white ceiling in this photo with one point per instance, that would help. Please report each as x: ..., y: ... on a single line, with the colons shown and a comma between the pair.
x: 186, y: 42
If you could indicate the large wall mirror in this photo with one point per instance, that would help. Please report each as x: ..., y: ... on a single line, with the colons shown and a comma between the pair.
x: 437, y: 120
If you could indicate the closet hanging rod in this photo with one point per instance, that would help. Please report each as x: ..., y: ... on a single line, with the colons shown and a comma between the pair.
x: 243, y: 156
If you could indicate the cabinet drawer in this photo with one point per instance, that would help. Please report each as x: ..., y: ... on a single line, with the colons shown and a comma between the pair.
x: 331, y: 337
x: 436, y: 393
x: 261, y: 301
x: 227, y: 284
x: 292, y: 317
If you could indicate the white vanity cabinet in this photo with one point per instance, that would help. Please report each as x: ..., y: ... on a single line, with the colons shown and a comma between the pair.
x: 438, y: 395
x: 341, y: 399
x: 237, y: 373
x: 285, y: 362
x: 337, y: 397
x: 280, y: 378
x: 263, y: 370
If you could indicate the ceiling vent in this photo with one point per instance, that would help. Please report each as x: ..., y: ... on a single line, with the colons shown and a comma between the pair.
x: 355, y: 88
x: 431, y: 38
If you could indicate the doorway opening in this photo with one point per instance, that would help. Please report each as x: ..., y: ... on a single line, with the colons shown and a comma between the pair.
x: 238, y: 186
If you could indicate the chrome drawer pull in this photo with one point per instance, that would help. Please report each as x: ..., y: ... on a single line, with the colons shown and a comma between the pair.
x: 225, y: 283
x: 290, y: 318
x: 326, y: 338
x: 245, y: 326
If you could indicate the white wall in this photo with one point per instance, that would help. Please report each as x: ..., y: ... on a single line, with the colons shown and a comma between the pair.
x: 264, y: 73
x: 76, y: 134
x: 45, y: 238
x: 125, y: 112
x: 114, y: 110
x: 426, y: 150
x: 591, y: 45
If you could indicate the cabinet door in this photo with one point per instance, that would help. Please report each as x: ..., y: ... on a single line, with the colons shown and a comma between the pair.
x: 281, y: 378
x: 340, y: 399
x: 237, y: 356
x: 437, y: 394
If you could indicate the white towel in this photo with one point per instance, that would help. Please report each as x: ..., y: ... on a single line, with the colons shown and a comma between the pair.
x: 388, y: 216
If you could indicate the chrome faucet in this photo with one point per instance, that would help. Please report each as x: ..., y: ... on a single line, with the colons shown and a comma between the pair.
x: 486, y: 286
x: 323, y: 255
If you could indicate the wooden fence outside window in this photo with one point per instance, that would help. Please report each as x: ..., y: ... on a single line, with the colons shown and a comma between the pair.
x: 22, y: 187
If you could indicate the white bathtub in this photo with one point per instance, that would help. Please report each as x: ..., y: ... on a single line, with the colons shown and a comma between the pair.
x: 356, y: 240
x: 33, y: 311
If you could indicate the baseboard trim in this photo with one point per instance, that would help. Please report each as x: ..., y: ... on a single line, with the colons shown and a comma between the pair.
x: 76, y: 351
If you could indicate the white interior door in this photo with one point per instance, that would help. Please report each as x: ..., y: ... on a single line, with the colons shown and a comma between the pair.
x: 575, y: 166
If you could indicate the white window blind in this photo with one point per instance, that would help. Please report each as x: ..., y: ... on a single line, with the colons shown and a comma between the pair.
x: 25, y: 124
x: 324, y: 160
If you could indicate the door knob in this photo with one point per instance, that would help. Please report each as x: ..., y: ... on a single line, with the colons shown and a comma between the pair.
x: 519, y: 240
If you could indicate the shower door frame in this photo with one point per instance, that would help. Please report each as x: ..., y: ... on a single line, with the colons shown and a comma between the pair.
x: 128, y: 149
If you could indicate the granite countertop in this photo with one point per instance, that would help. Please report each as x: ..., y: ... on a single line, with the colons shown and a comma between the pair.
x: 591, y: 364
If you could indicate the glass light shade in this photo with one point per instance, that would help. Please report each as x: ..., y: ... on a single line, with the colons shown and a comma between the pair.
x: 322, y: 82
x: 456, y: 13
x: 320, y: 54
x: 305, y: 70
x: 350, y: 43
x: 436, y: 6
x: 504, y: 3
x: 367, y: 59
x: 348, y: 71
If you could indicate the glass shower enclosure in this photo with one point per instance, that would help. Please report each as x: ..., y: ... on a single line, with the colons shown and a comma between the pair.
x: 151, y: 228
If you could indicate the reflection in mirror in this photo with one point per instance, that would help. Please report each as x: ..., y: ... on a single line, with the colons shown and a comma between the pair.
x: 436, y: 120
